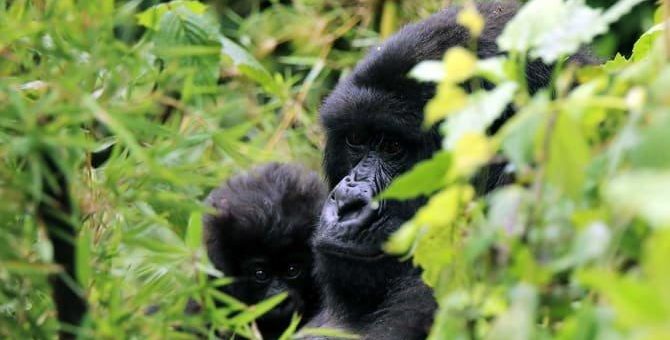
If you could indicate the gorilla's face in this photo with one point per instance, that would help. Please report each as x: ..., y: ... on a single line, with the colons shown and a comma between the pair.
x: 353, y: 226
x: 372, y: 137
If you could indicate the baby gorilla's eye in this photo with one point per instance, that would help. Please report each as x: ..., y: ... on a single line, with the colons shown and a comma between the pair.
x: 355, y: 139
x: 391, y: 147
x: 261, y: 275
x: 293, y: 271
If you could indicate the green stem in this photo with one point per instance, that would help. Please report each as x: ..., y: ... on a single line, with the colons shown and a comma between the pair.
x: 389, y: 20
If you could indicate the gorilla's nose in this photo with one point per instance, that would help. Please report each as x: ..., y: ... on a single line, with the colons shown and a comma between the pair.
x: 352, y: 200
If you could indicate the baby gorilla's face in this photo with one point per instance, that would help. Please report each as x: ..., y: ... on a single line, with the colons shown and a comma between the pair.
x: 261, y: 277
x: 260, y: 235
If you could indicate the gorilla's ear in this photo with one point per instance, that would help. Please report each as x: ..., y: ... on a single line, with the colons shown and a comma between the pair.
x: 218, y: 200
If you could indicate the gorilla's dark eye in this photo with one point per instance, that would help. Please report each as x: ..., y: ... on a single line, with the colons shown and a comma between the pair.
x: 261, y: 275
x: 355, y: 139
x: 293, y: 271
x: 390, y: 147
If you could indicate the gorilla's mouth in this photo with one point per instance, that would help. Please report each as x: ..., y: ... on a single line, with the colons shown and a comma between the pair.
x: 350, y: 251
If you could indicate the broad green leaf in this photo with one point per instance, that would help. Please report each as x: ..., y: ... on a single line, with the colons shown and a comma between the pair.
x: 557, y: 41
x: 655, y: 263
x: 636, y: 302
x: 645, y: 43
x: 423, y: 179
x: 191, y: 39
x: 527, y: 27
x: 520, y: 132
x: 568, y: 156
x: 619, y: 9
x: 459, y: 65
x: 493, y: 69
x: 442, y: 208
x: 83, y: 259
x: 150, y: 18
x: 590, y: 244
x: 471, y: 19
x: 439, y: 240
x: 402, y: 241
x: 517, y: 322
x: 429, y: 70
x: 471, y: 151
x: 618, y: 63
x: 449, y: 99
x: 644, y: 192
x: 248, y: 65
x: 508, y: 210
x: 551, y: 29
x: 652, y: 150
x: 482, y: 109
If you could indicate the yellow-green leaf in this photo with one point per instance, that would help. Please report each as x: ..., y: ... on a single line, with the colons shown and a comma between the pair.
x: 459, y: 64
x: 471, y: 19
x: 423, y: 179
x: 449, y: 99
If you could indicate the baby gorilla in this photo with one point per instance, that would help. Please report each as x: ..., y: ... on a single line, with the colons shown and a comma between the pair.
x: 260, y: 235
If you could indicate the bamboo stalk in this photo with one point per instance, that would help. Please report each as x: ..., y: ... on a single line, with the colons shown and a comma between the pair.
x: 389, y: 20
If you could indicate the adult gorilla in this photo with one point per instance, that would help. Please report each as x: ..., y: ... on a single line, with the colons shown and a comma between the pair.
x: 373, y: 126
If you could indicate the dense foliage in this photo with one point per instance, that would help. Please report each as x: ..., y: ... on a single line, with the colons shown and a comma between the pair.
x: 142, y: 108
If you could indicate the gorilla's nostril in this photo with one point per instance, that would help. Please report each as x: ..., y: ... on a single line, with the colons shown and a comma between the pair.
x: 351, y: 210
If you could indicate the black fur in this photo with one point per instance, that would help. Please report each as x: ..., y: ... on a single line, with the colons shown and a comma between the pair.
x: 373, y: 130
x: 57, y: 212
x: 263, y: 222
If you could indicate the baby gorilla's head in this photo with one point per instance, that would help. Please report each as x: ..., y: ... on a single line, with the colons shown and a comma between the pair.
x: 260, y: 235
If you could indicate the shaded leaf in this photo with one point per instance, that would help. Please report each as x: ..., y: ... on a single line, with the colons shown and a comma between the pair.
x: 424, y: 178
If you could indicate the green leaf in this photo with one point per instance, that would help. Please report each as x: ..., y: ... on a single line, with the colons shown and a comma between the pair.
x: 329, y: 333
x: 520, y: 132
x: 568, y: 155
x: 529, y: 24
x: 150, y: 18
x: 584, y: 24
x: 429, y: 70
x: 255, y: 311
x: 645, y: 43
x: 292, y: 327
x: 193, y: 238
x: 540, y: 27
x: 83, y: 257
x: 507, y: 210
x: 517, y: 322
x: 402, y: 241
x: 249, y: 66
x: 655, y: 264
x: 644, y: 192
x: 483, y: 108
x: 652, y: 150
x: 636, y: 303
x: 439, y: 241
x: 423, y: 179
x: 191, y: 39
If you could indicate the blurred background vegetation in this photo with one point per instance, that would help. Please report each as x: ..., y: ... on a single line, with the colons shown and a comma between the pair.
x: 132, y: 122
